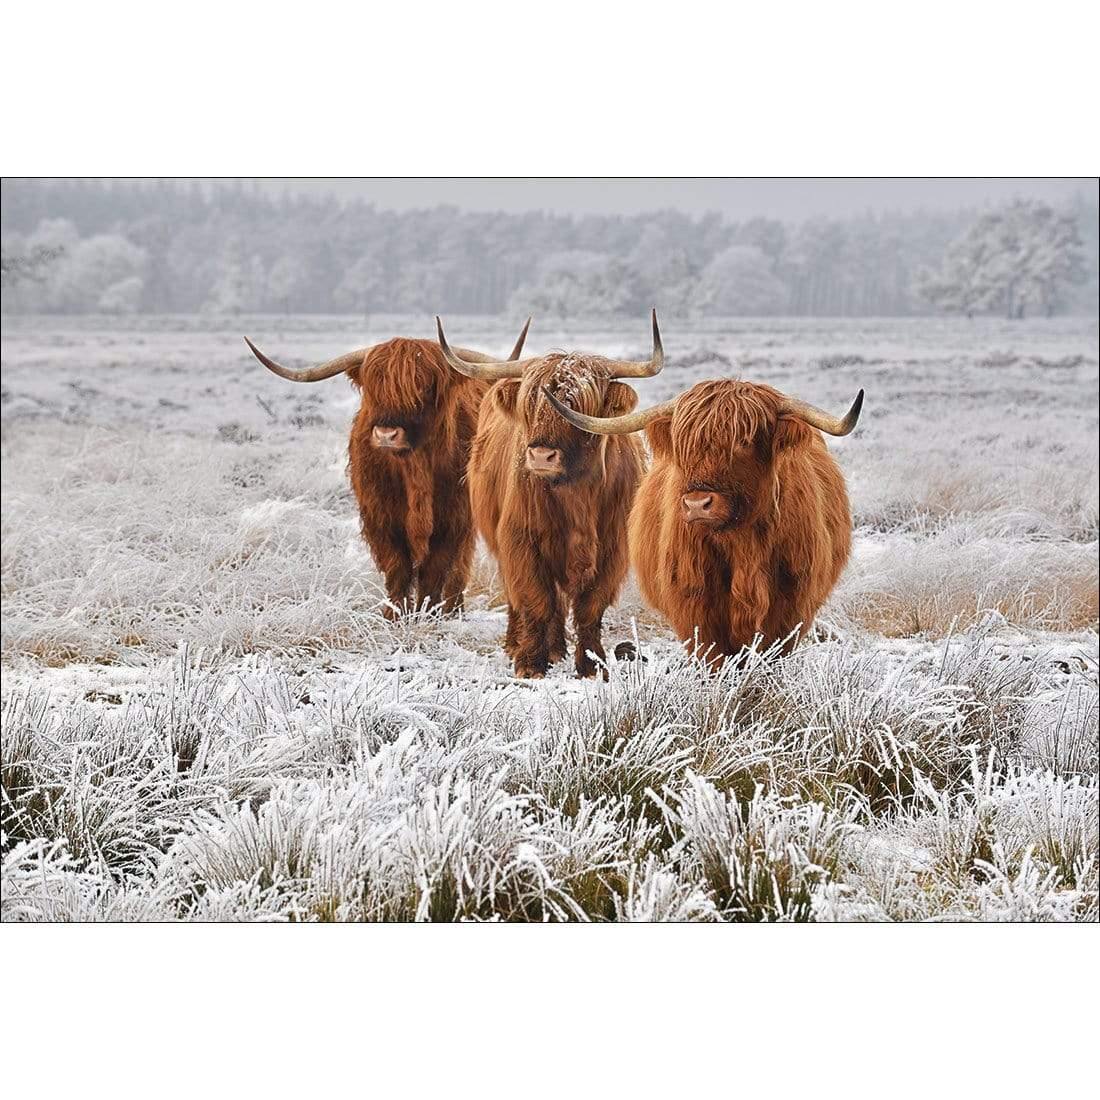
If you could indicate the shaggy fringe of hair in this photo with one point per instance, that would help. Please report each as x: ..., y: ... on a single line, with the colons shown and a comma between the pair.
x: 398, y: 373
x: 734, y: 411
x: 580, y: 381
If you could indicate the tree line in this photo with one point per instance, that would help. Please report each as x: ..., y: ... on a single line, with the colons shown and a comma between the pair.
x: 79, y: 246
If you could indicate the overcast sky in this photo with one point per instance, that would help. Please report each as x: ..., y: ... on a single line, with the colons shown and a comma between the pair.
x: 736, y: 198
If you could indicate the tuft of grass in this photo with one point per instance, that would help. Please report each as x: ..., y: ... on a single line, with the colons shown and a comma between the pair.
x: 933, y: 586
x: 1063, y: 732
x: 761, y: 860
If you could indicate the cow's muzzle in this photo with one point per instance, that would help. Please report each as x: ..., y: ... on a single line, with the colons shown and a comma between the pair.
x: 712, y: 509
x: 545, y: 461
x: 388, y: 438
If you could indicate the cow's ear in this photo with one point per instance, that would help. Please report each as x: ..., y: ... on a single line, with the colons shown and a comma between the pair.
x: 620, y: 400
x: 659, y: 434
x: 504, y: 394
x: 790, y: 433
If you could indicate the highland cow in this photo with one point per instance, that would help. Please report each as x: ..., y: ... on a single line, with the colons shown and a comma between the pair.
x: 407, y: 457
x: 552, y: 502
x: 741, y: 528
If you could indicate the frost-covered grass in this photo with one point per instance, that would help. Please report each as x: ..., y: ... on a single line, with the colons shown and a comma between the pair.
x: 207, y: 718
x: 843, y: 781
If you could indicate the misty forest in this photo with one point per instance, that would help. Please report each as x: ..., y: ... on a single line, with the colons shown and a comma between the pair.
x: 125, y: 247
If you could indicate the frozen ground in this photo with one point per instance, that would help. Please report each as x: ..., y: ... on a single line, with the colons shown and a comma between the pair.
x: 206, y: 717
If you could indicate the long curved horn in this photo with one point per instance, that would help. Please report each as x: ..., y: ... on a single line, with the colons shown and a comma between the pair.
x: 310, y: 374
x: 517, y: 350
x: 353, y: 358
x: 485, y: 367
x: 610, y: 425
x: 628, y: 368
x: 818, y: 418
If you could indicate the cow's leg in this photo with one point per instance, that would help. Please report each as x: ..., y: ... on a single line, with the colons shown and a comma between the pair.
x: 511, y: 635
x: 536, y: 610
x: 391, y: 555
x: 454, y: 593
x: 588, y: 609
x: 555, y: 634
x: 441, y: 578
x: 454, y: 587
x: 537, y: 626
x: 794, y: 605
x: 703, y: 625
x: 557, y: 647
x: 430, y: 578
x: 749, y: 600
x: 789, y: 620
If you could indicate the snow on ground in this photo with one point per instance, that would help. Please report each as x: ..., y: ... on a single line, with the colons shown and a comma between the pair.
x: 206, y: 717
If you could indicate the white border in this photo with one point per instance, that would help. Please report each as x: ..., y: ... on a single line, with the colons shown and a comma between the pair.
x: 576, y: 87
x: 857, y: 1010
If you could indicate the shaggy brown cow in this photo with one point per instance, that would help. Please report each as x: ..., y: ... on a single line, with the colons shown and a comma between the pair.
x: 741, y: 528
x: 552, y: 502
x: 407, y: 459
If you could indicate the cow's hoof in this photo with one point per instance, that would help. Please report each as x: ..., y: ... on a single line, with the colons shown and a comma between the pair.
x: 529, y: 672
x: 590, y: 663
x: 589, y: 673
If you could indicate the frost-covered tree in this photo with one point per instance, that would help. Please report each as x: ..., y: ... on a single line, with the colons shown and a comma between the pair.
x: 27, y: 262
x: 964, y: 282
x: 363, y: 287
x: 1020, y: 258
x: 54, y: 233
x: 20, y: 264
x: 815, y: 267
x: 663, y: 268
x: 86, y: 269
x: 1055, y: 260
x: 766, y: 234
x: 240, y: 278
x: 576, y: 283
x: 286, y: 278
x: 123, y: 296
x: 229, y: 294
x: 421, y: 285
x: 739, y: 282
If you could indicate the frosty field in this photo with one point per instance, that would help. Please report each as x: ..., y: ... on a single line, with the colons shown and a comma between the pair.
x: 206, y: 716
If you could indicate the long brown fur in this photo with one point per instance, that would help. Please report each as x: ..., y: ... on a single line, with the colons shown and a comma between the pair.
x: 414, y: 509
x: 788, y: 529
x: 557, y: 544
